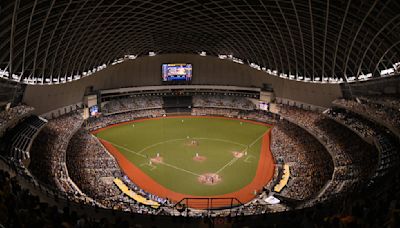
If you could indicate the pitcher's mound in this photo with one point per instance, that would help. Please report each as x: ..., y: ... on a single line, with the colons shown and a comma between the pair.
x: 199, y: 158
x: 156, y: 160
x: 209, y: 178
x: 237, y: 154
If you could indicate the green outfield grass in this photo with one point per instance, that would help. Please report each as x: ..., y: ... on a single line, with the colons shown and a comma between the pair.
x: 217, y: 139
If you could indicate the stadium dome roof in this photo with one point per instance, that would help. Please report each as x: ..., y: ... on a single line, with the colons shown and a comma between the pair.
x: 47, y: 40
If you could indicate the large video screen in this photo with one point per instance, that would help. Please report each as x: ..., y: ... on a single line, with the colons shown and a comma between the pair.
x: 264, y: 106
x: 176, y: 72
x: 94, y: 110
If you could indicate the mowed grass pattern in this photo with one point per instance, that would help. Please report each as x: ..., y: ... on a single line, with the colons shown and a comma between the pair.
x: 217, y: 138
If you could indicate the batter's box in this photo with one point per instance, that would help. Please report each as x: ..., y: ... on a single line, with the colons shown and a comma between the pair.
x: 151, y: 167
x: 249, y: 159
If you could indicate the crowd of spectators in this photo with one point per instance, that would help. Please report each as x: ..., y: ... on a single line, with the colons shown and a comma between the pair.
x: 373, y: 134
x: 359, y: 125
x: 258, y: 115
x: 103, y: 121
x: 93, y: 170
x: 215, y: 112
x: 354, y: 160
x: 388, y: 101
x: 223, y: 101
x: 310, y: 164
x: 376, y: 111
x: 19, y: 208
x: 12, y: 115
x: 310, y: 159
x: 90, y: 167
x: 133, y: 103
x: 48, y: 152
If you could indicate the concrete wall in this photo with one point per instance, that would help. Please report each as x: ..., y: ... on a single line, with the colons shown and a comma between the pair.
x: 146, y: 71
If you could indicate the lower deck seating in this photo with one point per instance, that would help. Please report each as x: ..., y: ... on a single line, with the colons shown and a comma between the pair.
x: 20, y: 138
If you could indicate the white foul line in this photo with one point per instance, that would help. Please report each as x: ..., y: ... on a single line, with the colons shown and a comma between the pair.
x: 184, y: 170
x: 131, y: 151
x: 235, y: 159
x: 229, y: 163
x: 166, y: 164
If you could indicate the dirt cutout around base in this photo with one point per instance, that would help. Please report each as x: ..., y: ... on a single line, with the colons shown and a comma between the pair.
x: 156, y: 160
x: 192, y: 143
x: 209, y: 179
x: 238, y: 154
x: 199, y: 158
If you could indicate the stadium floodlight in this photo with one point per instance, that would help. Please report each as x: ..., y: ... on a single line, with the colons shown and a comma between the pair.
x: 387, y: 72
x: 222, y: 56
x: 237, y: 60
x: 15, y: 77
x: 255, y: 66
x: 130, y: 56
x: 4, y: 73
x: 117, y: 61
x: 352, y: 78
x: 396, y: 66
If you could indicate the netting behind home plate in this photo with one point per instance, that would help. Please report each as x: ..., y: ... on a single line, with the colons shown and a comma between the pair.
x: 207, y: 203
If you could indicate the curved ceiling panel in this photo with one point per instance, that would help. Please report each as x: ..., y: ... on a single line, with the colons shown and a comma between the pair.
x: 47, y: 40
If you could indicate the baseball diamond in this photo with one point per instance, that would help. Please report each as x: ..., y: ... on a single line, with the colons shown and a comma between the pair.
x: 218, y: 140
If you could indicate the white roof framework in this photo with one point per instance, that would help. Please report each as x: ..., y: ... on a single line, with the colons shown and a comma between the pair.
x: 54, y: 40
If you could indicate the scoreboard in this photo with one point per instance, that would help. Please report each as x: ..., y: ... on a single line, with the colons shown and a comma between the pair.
x: 176, y: 72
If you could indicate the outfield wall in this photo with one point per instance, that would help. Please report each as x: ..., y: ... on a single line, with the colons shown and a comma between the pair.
x: 146, y: 71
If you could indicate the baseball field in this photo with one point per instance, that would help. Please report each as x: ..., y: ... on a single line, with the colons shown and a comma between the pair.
x: 185, y: 156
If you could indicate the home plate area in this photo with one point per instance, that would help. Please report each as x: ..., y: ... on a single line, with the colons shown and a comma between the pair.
x: 209, y: 178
